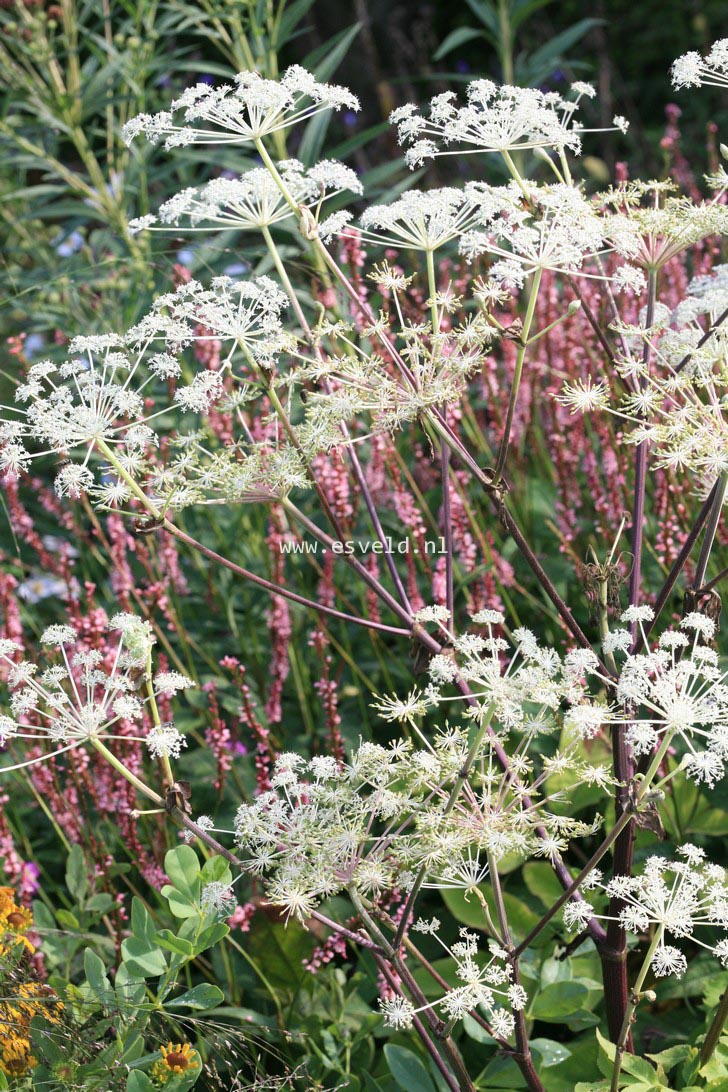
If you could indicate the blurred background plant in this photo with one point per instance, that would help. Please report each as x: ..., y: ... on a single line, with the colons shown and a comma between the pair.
x: 272, y: 677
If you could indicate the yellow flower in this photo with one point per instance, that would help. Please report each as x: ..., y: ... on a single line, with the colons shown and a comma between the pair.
x: 176, y: 1058
x: 14, y: 920
x: 15, y: 1057
x: 37, y: 999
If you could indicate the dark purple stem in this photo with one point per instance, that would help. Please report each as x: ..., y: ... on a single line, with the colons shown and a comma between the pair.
x: 613, y: 952
x: 424, y: 1035
x: 277, y: 589
x: 447, y: 533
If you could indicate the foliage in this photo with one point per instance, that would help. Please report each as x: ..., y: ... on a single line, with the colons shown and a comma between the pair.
x: 363, y: 576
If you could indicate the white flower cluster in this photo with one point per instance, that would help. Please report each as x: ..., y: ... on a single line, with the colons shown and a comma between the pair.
x: 650, y: 225
x: 671, y: 898
x: 253, y: 200
x: 677, y: 404
x: 486, y: 985
x: 524, y: 692
x: 250, y: 109
x: 97, y: 400
x: 421, y: 220
x: 679, y: 689
x: 85, y: 693
x: 693, y: 70
x: 558, y: 230
x: 495, y: 119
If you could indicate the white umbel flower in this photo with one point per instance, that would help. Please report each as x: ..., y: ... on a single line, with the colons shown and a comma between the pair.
x: 250, y: 109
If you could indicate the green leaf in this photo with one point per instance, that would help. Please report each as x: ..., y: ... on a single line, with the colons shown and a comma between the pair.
x: 181, y: 905
x: 210, y: 936
x: 559, y: 1000
x: 183, y: 869
x: 203, y: 996
x: 141, y: 921
x: 407, y: 1069
x: 77, y: 874
x: 326, y: 58
x: 138, y: 1082
x: 476, y: 1031
x: 129, y: 990
x: 673, y: 1055
x: 522, y: 10
x: 100, y: 904
x: 168, y: 940
x: 521, y: 917
x: 215, y: 869
x: 95, y: 972
x: 550, y: 1052
x: 142, y: 959
x: 456, y: 38
x: 67, y: 919
x: 542, y: 882
x: 487, y: 12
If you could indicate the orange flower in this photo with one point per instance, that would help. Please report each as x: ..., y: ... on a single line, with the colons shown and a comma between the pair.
x: 14, y: 920
x: 178, y: 1058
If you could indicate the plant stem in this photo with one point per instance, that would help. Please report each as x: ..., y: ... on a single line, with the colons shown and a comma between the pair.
x: 614, y: 951
x: 715, y: 1030
x: 711, y: 529
x: 350, y: 560
x: 520, y: 357
x: 678, y: 565
x: 522, y: 1055
x: 461, y: 778
x: 419, y: 1027
x: 629, y: 1015
x: 277, y: 589
x: 593, y: 861
x: 351, y: 451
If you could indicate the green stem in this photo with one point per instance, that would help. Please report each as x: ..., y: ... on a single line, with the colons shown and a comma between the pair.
x: 156, y: 719
x: 528, y: 319
x: 460, y: 780
x: 715, y: 1030
x: 432, y: 285
x: 138, y: 492
x: 629, y: 1016
x: 119, y: 766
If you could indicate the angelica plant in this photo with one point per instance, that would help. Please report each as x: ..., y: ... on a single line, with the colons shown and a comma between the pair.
x: 492, y: 752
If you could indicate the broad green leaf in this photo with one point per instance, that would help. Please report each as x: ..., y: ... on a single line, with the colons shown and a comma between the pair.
x: 550, y: 1052
x: 215, y: 869
x: 100, y: 904
x: 130, y: 989
x: 67, y: 919
x: 95, y: 972
x: 210, y: 936
x: 558, y: 1001
x: 521, y: 917
x: 142, y: 959
x: 407, y: 1069
x: 183, y: 869
x: 168, y: 940
x: 77, y: 874
x: 180, y: 904
x: 141, y: 921
x: 203, y: 996
x: 139, y: 1082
